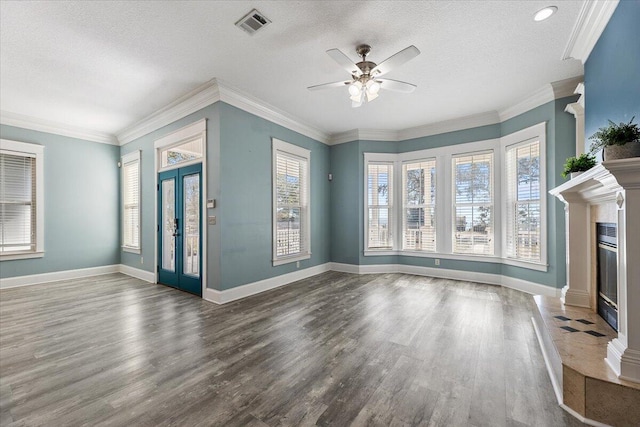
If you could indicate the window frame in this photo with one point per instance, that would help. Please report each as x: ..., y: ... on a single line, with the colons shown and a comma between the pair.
x: 514, y: 140
x: 381, y: 158
x: 36, y: 151
x: 404, y: 206
x: 305, y: 220
x: 492, y: 202
x: 133, y: 157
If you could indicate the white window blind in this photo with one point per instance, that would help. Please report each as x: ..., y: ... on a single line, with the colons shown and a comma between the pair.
x: 379, y: 202
x: 418, y: 205
x: 131, y: 201
x: 17, y: 203
x: 523, y: 208
x: 291, y: 203
x: 473, y: 230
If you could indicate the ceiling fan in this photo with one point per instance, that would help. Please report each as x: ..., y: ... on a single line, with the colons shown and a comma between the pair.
x: 365, y: 79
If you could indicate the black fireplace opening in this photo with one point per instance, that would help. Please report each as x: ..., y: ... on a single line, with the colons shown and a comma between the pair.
x: 607, y: 272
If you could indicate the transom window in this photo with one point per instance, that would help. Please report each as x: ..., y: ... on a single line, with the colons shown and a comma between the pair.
x: 183, y: 153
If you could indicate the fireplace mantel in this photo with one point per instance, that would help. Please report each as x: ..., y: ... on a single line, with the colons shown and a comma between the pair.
x: 615, y: 183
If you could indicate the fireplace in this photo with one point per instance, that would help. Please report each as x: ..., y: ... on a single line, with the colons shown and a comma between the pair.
x: 607, y: 273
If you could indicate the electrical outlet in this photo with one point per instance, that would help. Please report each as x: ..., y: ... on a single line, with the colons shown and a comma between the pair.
x: 297, y: 264
x: 437, y: 261
x: 141, y: 260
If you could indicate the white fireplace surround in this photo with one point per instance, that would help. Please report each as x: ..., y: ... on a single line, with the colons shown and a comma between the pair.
x: 612, y: 186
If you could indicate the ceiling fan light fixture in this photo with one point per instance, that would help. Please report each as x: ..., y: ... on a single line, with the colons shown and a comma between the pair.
x: 355, y: 88
x: 371, y: 96
x: 373, y: 87
x: 545, y: 13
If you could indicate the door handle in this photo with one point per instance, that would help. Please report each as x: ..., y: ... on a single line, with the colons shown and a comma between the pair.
x: 175, y: 227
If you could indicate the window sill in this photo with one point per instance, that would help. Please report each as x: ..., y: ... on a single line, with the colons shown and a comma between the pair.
x: 288, y: 260
x: 462, y: 257
x: 131, y: 250
x: 531, y: 265
x: 21, y: 255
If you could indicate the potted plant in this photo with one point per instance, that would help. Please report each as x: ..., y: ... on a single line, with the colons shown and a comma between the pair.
x: 576, y: 165
x: 620, y: 141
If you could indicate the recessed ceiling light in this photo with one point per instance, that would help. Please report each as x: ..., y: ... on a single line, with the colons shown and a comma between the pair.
x: 543, y: 14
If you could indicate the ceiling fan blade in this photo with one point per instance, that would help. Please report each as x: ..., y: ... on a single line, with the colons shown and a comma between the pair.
x: 396, y: 85
x: 395, y: 60
x: 344, y: 61
x: 330, y: 85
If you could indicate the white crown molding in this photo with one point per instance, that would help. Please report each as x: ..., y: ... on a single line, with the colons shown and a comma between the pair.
x: 202, y: 96
x: 213, y: 91
x: 363, y: 135
x: 461, y: 123
x: 592, y: 20
x: 26, y: 122
x: 240, y: 99
x: 546, y: 93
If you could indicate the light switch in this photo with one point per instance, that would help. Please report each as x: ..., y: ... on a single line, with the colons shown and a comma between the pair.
x: 212, y: 220
x: 211, y: 203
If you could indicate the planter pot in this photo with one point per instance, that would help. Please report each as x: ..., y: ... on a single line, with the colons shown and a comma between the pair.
x: 614, y: 152
x: 574, y: 174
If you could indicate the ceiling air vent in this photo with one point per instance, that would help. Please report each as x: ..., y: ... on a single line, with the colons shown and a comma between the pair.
x: 253, y: 21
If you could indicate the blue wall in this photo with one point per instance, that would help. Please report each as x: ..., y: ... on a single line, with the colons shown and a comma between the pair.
x: 239, y: 178
x: 612, y: 72
x: 347, y: 196
x: 245, y: 200
x: 145, y: 260
x: 81, y: 199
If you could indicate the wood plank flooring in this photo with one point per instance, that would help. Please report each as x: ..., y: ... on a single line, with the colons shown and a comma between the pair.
x: 333, y: 350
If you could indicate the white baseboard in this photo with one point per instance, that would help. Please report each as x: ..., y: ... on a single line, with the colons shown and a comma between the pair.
x: 228, y: 295
x: 147, y: 276
x: 34, y: 279
x: 472, y: 276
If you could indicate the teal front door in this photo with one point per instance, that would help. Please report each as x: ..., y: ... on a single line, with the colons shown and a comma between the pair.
x: 179, y: 228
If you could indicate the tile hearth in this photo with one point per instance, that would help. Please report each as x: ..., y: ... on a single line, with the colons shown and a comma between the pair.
x: 574, y: 341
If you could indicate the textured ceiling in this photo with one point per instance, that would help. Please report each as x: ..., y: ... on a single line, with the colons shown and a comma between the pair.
x: 105, y: 65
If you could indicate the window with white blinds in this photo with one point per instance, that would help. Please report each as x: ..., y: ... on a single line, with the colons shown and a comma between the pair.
x: 21, y: 207
x: 131, y: 202
x: 418, y: 205
x: 473, y: 203
x: 523, y: 204
x: 380, y: 205
x: 291, y: 213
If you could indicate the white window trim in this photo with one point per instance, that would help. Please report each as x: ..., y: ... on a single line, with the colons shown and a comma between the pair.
x: 37, y: 151
x: 494, y: 214
x: 179, y: 137
x: 381, y: 158
x: 444, y: 195
x: 285, y: 147
x: 533, y: 133
x: 126, y: 159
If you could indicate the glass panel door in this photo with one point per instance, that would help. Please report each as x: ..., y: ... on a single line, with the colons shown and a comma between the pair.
x: 179, y: 227
x: 168, y: 224
x: 191, y: 214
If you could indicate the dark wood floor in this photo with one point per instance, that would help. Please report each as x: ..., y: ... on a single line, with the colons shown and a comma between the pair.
x: 336, y: 349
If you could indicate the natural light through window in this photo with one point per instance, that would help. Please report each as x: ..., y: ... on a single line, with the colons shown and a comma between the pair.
x: 418, y: 205
x: 379, y: 202
x: 291, y: 227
